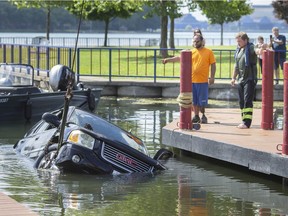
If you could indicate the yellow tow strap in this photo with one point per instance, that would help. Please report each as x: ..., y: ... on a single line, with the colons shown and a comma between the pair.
x: 185, y: 99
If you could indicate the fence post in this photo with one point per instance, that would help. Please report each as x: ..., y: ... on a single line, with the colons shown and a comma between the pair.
x: 4, y: 52
x: 29, y: 55
x: 20, y: 54
x: 285, y: 111
x: 38, y: 60
x: 12, y: 53
x: 47, y: 59
x: 267, y: 90
x: 185, y: 87
x: 77, y: 63
x: 110, y: 64
x: 155, y: 65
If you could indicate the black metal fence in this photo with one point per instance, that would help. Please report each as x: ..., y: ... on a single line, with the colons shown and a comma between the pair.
x: 110, y: 63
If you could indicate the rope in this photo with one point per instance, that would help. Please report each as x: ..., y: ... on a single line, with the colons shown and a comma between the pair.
x: 185, y: 99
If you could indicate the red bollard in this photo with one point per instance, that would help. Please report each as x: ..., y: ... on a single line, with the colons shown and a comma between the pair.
x: 185, y: 87
x: 285, y: 110
x: 267, y: 90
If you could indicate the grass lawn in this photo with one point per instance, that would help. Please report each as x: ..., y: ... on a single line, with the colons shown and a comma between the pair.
x: 144, y: 62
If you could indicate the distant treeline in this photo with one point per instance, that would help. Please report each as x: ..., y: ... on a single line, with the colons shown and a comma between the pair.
x: 34, y: 20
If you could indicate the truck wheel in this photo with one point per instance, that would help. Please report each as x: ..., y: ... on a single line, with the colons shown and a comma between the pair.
x: 46, y: 159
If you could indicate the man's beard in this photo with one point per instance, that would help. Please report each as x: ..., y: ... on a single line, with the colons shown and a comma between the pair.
x: 198, y: 45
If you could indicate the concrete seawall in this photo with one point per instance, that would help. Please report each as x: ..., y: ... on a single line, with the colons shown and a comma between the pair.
x: 221, y: 90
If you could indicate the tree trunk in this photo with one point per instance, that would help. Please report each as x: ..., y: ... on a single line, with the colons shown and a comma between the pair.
x: 48, y: 23
x: 106, y: 32
x: 171, y: 38
x: 221, y: 43
x: 163, y: 43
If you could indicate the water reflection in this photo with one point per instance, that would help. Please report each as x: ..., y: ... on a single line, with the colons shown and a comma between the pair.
x: 141, y: 117
x: 191, y: 185
x: 10, y: 132
x: 80, y: 192
x: 216, y: 190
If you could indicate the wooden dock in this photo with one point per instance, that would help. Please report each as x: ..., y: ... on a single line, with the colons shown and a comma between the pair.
x: 220, y: 139
x: 9, y: 207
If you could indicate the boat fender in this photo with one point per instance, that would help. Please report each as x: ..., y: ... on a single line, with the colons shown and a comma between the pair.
x: 28, y: 110
x: 91, y: 100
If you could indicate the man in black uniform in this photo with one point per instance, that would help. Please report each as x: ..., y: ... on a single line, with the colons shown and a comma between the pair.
x: 245, y: 71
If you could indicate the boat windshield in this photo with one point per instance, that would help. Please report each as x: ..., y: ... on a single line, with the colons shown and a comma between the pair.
x: 16, y: 75
x: 107, y: 130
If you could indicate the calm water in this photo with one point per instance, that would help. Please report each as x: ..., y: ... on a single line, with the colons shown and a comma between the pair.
x: 137, y: 35
x: 191, y: 185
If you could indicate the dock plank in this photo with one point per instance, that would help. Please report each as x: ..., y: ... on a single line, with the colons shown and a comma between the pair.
x: 11, y: 207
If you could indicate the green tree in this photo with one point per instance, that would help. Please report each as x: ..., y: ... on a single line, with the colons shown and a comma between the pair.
x: 281, y: 10
x: 46, y: 5
x: 165, y: 10
x: 224, y: 11
x: 105, y: 11
x: 10, y: 18
x: 173, y: 14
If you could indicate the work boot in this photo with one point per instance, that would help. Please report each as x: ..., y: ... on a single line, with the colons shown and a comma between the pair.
x: 204, y: 119
x: 196, y: 119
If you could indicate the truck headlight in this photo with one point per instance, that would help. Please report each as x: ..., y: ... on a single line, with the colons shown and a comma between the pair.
x: 81, y: 138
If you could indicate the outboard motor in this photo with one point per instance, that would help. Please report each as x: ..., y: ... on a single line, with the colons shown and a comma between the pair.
x: 59, y: 77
